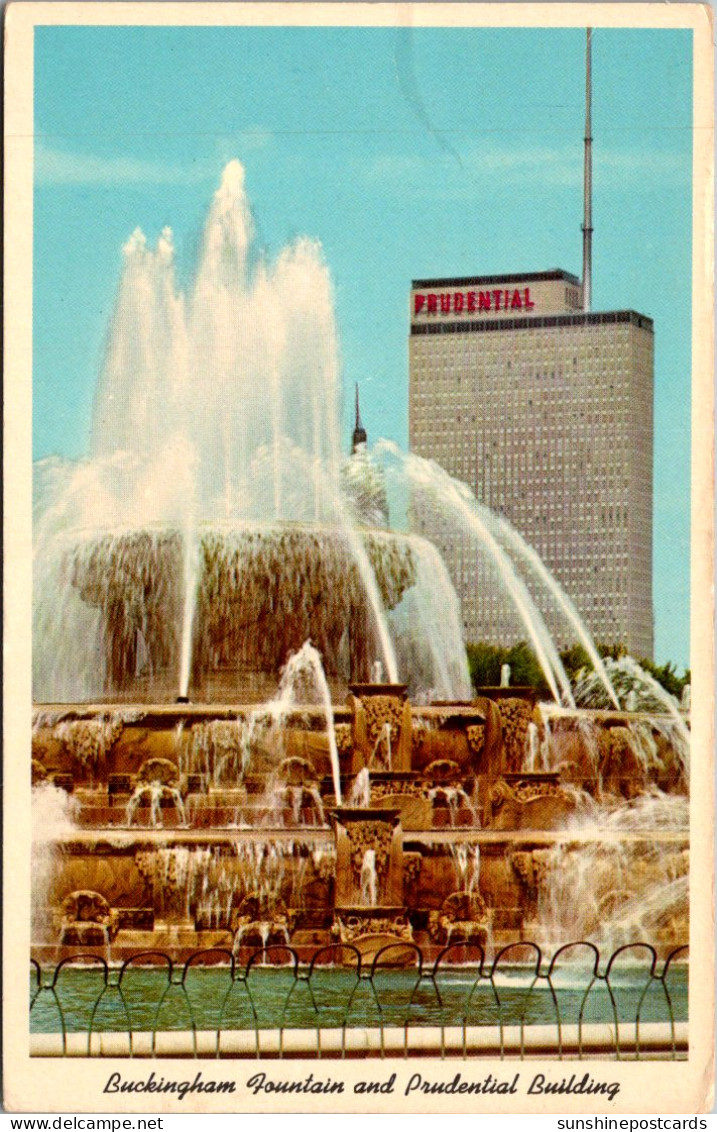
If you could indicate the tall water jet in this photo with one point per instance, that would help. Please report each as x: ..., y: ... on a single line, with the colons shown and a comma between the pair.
x: 514, y: 542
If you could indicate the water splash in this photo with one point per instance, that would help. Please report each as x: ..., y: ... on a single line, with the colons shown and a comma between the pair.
x: 638, y: 691
x: 360, y: 792
x: 303, y: 670
x: 466, y: 862
x: 532, y: 748
x: 434, y: 491
x: 53, y: 817
x: 612, y: 881
x: 456, y: 799
x: 369, y: 879
x: 154, y: 794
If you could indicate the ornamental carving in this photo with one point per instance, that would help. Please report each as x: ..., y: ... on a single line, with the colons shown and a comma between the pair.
x: 530, y: 867
x: 442, y: 771
x: 475, y: 734
x: 387, y: 788
x: 365, y: 835
x: 526, y: 790
x: 379, y: 711
x: 462, y: 918
x: 411, y: 871
x: 88, y: 740
x: 262, y: 919
x: 85, y: 917
x: 354, y: 926
x: 515, y: 715
x: 163, y: 771
x: 344, y: 743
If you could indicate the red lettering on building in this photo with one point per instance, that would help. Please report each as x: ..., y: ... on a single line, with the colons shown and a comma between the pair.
x: 460, y: 301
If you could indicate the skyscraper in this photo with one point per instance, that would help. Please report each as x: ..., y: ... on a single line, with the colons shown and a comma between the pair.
x: 545, y: 410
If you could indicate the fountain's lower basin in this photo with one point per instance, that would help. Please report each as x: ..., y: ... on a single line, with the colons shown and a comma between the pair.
x: 507, y: 1008
x: 115, y: 864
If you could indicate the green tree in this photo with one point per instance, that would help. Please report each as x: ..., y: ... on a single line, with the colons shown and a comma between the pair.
x: 574, y: 659
x: 666, y: 675
x: 486, y: 660
x: 525, y: 669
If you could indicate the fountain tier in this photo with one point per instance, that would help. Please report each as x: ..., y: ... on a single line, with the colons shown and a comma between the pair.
x: 185, y: 826
x: 262, y: 589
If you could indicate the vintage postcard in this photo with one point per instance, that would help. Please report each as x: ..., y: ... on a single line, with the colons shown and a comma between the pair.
x: 358, y: 558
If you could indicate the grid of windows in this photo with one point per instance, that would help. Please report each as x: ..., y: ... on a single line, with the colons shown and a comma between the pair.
x: 549, y: 420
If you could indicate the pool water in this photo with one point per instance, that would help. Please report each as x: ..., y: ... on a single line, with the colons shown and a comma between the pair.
x: 137, y: 998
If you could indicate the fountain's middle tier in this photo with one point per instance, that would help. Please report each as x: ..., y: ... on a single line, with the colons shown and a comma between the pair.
x: 239, y: 599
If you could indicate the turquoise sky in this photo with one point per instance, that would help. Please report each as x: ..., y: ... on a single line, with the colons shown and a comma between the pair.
x: 408, y: 154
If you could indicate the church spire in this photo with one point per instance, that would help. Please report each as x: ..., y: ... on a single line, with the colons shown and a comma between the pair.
x: 359, y: 436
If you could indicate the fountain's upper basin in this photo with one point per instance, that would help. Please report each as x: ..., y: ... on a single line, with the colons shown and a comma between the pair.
x: 230, y: 603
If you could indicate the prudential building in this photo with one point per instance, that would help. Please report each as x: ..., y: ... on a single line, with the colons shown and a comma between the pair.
x: 545, y: 410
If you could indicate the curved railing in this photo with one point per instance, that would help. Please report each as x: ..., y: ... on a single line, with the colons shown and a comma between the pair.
x: 519, y: 1003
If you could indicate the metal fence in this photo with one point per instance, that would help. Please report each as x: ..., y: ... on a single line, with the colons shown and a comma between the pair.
x: 520, y: 1003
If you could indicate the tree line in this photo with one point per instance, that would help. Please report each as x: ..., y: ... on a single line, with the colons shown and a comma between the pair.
x: 485, y: 661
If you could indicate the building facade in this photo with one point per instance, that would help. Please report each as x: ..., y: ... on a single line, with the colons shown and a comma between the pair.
x: 546, y: 412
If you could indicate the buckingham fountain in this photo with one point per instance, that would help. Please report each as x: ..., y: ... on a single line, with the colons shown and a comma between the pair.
x: 254, y: 723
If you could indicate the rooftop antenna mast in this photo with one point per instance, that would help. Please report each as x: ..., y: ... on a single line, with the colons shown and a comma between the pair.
x: 588, y: 180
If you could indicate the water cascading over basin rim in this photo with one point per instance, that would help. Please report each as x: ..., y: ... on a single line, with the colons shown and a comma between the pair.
x: 262, y: 589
